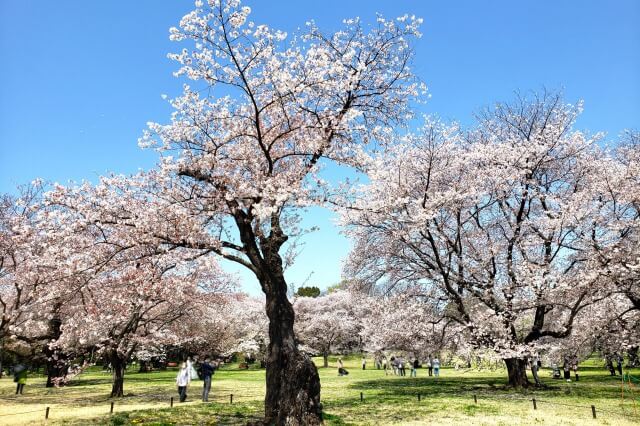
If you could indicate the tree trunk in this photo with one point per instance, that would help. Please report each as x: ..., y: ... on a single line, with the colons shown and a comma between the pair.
x: 517, y: 370
x: 117, y: 369
x: 56, y: 361
x: 325, y: 356
x: 293, y: 384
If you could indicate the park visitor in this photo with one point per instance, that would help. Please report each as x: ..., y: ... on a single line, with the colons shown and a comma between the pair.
x: 183, y: 380
x: 364, y: 363
x: 20, y: 378
x: 401, y: 369
x: 566, y: 368
x: 207, y: 371
x: 430, y: 367
x: 394, y: 365
x: 341, y: 370
x: 436, y: 367
x: 414, y: 368
x: 193, y: 374
x: 385, y: 365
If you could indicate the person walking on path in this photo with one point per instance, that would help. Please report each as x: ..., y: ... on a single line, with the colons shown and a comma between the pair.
x: 20, y: 378
x: 436, y: 367
x: 430, y: 367
x: 414, y: 368
x: 183, y: 380
x: 364, y: 363
x: 207, y: 371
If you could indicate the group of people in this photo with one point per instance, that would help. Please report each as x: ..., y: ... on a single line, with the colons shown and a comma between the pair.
x: 397, y: 365
x: 187, y: 373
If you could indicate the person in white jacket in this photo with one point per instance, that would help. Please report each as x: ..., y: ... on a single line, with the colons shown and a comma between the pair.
x: 183, y: 380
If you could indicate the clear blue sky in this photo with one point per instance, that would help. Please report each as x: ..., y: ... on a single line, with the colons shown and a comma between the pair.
x: 79, y: 79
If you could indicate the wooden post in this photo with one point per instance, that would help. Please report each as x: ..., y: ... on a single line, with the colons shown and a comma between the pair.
x: 418, y: 397
x: 361, y: 397
x: 171, y: 403
x: 475, y: 398
x: 111, y: 412
x: 231, y: 399
x: 535, y: 407
x: 593, y: 411
x: 46, y: 413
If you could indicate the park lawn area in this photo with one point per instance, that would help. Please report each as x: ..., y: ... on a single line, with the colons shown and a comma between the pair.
x: 387, y: 400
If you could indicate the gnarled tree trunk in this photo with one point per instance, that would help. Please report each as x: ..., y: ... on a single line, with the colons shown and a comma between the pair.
x: 517, y: 370
x: 293, y: 384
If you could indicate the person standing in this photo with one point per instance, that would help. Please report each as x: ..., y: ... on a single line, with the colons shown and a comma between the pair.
x: 364, y: 363
x: 193, y: 374
x: 207, y: 372
x: 430, y: 367
x: 436, y: 367
x: 385, y: 366
x: 401, y: 367
x: 566, y: 367
x: 20, y: 377
x: 183, y: 380
x: 414, y: 368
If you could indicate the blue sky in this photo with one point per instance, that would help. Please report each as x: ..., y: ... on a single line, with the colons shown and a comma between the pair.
x: 79, y: 79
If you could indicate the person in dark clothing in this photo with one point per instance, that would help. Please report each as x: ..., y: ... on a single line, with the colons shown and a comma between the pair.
x: 20, y: 378
x: 567, y: 370
x: 207, y: 370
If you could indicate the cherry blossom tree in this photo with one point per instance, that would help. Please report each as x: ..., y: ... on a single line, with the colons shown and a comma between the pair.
x: 404, y: 322
x: 242, y: 152
x: 500, y: 222
x: 329, y: 322
x: 31, y: 306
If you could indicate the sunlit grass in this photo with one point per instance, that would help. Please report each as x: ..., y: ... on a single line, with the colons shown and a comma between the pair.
x: 386, y: 399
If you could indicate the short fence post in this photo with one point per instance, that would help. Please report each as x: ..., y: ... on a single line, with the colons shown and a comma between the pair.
x: 111, y: 412
x: 535, y: 407
x: 475, y: 398
x: 418, y: 397
x: 46, y: 413
x: 361, y: 397
x: 231, y: 399
x: 171, y: 403
x: 593, y: 411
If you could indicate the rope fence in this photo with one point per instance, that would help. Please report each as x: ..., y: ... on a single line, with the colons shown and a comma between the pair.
x: 231, y: 398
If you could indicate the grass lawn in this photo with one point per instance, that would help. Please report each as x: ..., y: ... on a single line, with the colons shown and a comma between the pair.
x: 387, y: 400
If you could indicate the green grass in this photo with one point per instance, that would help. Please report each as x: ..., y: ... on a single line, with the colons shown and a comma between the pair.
x: 388, y: 400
